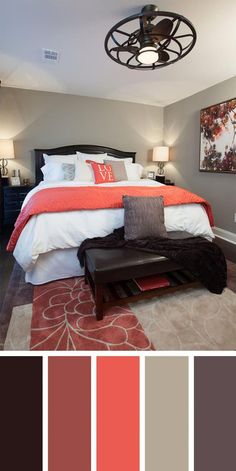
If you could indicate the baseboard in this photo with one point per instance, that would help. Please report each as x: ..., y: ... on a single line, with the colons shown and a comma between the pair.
x: 225, y: 235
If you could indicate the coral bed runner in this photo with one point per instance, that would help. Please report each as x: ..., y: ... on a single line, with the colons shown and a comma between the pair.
x: 62, y: 199
x: 64, y: 319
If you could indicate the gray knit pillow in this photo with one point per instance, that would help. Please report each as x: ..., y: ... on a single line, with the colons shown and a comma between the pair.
x: 144, y: 217
x: 118, y: 169
x: 68, y: 171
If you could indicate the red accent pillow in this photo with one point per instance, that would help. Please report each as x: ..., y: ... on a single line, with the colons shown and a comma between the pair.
x: 102, y: 173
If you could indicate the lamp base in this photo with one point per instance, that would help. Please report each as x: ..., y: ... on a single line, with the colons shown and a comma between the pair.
x: 160, y: 168
x: 3, y: 167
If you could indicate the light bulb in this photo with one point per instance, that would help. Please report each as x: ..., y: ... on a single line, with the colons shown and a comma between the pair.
x: 148, y: 55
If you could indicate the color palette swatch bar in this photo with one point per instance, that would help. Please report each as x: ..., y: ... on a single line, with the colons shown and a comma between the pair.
x: 117, y: 413
x: 215, y: 413
x: 21, y: 413
x: 166, y: 399
x: 119, y: 406
x: 69, y: 406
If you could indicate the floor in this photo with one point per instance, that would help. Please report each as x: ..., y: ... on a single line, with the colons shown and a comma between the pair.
x: 7, y: 263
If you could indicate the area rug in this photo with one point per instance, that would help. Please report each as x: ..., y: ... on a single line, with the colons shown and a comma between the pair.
x: 194, y: 319
x: 19, y: 331
x: 18, y: 294
x: 64, y: 319
x: 60, y: 315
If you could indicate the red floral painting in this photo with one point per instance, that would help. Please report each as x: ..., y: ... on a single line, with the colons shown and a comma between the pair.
x: 218, y: 138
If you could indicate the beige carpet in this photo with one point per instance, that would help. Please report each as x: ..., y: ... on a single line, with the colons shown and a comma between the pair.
x: 18, y: 334
x: 192, y: 320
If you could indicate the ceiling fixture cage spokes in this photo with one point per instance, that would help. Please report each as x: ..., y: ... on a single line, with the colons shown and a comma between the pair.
x: 150, y: 39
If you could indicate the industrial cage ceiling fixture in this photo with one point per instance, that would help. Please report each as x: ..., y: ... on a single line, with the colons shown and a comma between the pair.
x: 150, y: 39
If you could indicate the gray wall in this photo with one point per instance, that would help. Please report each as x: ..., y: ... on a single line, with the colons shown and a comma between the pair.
x: 40, y: 119
x: 182, y: 133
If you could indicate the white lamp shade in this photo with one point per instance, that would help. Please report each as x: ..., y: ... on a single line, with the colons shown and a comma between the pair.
x: 160, y: 154
x: 6, y: 149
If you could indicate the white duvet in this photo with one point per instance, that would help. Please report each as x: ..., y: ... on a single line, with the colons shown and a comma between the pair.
x: 50, y: 231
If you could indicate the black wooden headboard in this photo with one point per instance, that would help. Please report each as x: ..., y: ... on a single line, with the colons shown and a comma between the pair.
x: 86, y: 148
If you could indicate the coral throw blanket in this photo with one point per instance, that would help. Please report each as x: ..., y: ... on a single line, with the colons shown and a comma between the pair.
x: 50, y: 200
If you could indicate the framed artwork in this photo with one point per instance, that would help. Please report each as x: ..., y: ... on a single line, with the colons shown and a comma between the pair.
x: 151, y: 175
x: 15, y: 181
x: 218, y: 138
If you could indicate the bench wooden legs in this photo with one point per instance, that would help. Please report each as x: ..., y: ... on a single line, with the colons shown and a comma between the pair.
x: 97, y: 291
x: 86, y: 273
x: 99, y: 301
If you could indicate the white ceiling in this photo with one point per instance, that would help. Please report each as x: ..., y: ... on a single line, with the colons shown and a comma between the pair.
x: 77, y: 30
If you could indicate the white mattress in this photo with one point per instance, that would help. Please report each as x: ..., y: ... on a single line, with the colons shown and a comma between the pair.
x: 40, y: 249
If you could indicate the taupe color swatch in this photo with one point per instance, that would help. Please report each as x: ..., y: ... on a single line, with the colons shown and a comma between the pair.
x: 215, y: 413
x: 166, y: 406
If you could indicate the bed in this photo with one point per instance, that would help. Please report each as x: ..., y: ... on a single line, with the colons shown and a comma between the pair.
x: 47, y: 247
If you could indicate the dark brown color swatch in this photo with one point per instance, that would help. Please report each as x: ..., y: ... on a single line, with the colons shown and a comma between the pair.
x: 69, y: 406
x: 215, y: 413
x: 21, y: 413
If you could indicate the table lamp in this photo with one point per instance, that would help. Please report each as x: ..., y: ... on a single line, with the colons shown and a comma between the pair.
x: 160, y: 155
x: 6, y: 153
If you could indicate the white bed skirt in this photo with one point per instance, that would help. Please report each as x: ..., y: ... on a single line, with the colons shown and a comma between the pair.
x: 55, y: 265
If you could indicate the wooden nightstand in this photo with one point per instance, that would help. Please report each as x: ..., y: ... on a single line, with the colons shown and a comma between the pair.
x: 13, y: 197
x: 160, y: 178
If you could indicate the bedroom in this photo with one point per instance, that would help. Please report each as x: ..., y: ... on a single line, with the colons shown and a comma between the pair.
x: 78, y: 101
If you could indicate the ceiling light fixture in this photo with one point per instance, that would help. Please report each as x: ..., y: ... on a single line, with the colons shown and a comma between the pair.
x: 158, y: 39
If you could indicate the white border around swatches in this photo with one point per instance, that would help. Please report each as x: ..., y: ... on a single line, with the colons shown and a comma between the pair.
x: 142, y: 355
x: 142, y: 388
x: 93, y: 413
x: 45, y: 412
x: 191, y: 413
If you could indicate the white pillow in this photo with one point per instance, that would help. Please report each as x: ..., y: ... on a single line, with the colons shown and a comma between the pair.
x: 127, y: 161
x: 96, y: 157
x: 52, y: 172
x: 134, y: 171
x: 83, y: 172
x: 67, y: 159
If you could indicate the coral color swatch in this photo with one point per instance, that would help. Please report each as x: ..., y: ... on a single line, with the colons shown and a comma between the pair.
x: 117, y: 414
x: 69, y: 406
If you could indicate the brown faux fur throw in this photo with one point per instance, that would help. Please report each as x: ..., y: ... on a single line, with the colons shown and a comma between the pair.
x: 204, y: 259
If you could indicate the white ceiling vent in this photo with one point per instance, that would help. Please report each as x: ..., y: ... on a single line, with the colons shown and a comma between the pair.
x: 50, y: 56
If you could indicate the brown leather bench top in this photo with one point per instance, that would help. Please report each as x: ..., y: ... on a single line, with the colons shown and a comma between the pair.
x: 107, y: 265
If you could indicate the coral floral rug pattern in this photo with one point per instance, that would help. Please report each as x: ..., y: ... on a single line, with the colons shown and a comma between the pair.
x: 64, y: 319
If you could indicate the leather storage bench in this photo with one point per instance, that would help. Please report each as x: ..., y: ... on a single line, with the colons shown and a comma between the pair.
x: 103, y: 266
